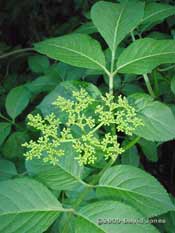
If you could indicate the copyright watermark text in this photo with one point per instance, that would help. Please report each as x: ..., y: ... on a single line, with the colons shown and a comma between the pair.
x: 102, y: 221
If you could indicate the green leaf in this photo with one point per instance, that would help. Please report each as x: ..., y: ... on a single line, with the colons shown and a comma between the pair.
x: 131, y: 88
x: 173, y: 85
x: 158, y: 35
x: 66, y: 224
x: 66, y: 175
x: 143, y: 55
x: 155, y: 13
x: 105, y: 217
x: 12, y: 148
x: 131, y: 157
x: 67, y: 72
x: 170, y: 220
x: 42, y: 84
x: 53, y: 71
x: 135, y: 187
x: 74, y: 49
x: 86, y: 28
x: 149, y: 149
x: 17, y: 100
x: 38, y: 63
x: 7, y: 170
x: 158, y: 119
x: 115, y: 21
x: 5, y: 129
x: 26, y: 206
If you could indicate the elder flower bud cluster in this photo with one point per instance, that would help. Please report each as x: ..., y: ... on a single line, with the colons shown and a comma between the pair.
x: 95, y: 132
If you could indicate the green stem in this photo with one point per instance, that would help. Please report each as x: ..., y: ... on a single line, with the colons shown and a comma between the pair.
x: 115, y: 72
x: 97, y: 177
x: 132, y: 36
x: 71, y: 210
x: 106, y: 70
x: 131, y: 143
x: 111, y: 74
x: 111, y: 84
x: 167, y: 68
x: 111, y: 162
x: 156, y: 83
x: 10, y: 121
x: 65, y: 227
x: 16, y: 52
x: 81, y: 197
x: 148, y: 85
x: 145, y: 76
x: 112, y: 60
x: 5, y: 118
x: 96, y: 128
x: 92, y: 183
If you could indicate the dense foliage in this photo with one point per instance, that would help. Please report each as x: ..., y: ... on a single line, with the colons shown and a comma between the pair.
x: 87, y: 113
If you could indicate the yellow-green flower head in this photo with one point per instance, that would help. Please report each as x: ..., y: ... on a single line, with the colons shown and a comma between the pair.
x: 126, y: 117
x: 118, y: 115
x: 86, y: 153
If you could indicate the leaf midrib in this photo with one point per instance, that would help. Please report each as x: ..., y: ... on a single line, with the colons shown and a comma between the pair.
x: 32, y: 211
x: 89, y: 220
x: 130, y: 191
x: 156, y: 13
x: 79, y: 53
x: 142, y: 58
x: 76, y: 178
x: 116, y: 30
